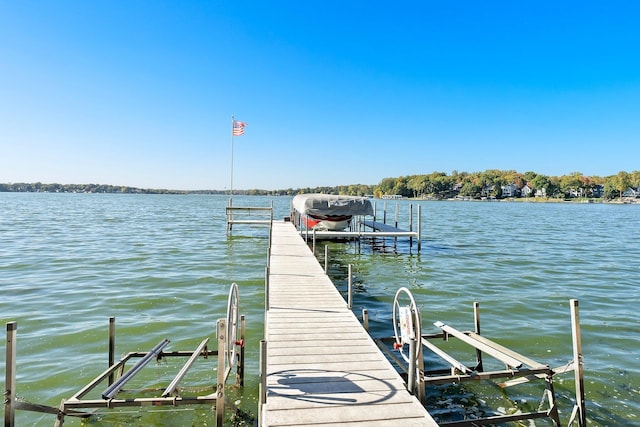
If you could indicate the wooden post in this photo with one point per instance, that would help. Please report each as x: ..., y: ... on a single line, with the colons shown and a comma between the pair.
x: 365, y: 319
x: 350, y: 289
x: 112, y: 345
x: 10, y: 376
x: 579, y: 409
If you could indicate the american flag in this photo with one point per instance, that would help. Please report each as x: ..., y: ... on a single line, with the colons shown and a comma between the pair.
x: 238, y: 128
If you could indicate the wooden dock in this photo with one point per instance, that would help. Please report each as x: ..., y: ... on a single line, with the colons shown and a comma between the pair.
x: 319, y: 366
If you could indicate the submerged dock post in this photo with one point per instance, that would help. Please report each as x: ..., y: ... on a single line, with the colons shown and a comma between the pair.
x: 10, y: 376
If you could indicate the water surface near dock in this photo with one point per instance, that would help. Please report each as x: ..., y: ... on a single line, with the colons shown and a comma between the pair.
x: 162, y: 265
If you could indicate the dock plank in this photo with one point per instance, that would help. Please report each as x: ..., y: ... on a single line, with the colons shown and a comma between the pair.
x: 322, y: 366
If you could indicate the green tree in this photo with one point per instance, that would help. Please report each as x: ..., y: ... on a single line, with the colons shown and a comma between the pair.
x: 471, y: 189
x: 418, y: 184
x: 401, y: 188
x: 622, y: 181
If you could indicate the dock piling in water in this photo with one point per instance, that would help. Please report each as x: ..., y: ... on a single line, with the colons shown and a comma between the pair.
x: 10, y: 375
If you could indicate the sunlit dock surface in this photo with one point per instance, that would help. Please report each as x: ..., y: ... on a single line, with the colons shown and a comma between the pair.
x: 320, y: 366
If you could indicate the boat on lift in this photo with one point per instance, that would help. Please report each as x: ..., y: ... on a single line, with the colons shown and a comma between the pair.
x: 329, y: 212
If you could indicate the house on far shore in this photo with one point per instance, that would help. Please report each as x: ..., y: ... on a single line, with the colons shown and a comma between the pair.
x: 510, y: 190
x: 597, y: 191
x: 526, y: 191
x: 542, y: 192
x: 631, y: 192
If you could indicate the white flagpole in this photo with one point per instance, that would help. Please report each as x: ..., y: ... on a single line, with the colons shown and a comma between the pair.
x: 231, y: 189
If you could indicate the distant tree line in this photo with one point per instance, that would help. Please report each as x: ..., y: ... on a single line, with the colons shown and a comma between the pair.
x: 39, y: 187
x: 498, y: 184
x: 492, y: 183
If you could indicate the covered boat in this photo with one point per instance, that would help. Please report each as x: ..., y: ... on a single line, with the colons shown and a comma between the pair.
x: 330, y: 212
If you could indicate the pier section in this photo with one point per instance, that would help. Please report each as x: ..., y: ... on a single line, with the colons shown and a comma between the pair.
x: 319, y: 366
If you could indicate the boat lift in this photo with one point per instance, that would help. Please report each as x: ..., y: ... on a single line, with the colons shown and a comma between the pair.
x: 409, y: 342
x: 363, y: 228
x: 230, y: 355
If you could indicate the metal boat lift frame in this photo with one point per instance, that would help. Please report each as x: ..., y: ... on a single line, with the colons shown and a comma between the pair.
x: 359, y: 225
x: 518, y: 368
x: 230, y: 353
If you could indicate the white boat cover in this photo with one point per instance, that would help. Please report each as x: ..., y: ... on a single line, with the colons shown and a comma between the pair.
x: 330, y: 205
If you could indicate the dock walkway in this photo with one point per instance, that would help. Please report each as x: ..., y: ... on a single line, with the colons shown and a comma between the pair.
x: 322, y: 367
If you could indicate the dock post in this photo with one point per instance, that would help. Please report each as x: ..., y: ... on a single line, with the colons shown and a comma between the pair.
x: 10, y: 375
x: 411, y: 374
x: 240, y: 368
x: 476, y: 318
x: 579, y: 408
x: 350, y: 289
x: 397, y: 210
x: 326, y: 259
x: 313, y: 246
x: 229, y: 218
x: 384, y: 212
x: 263, y: 379
x: 266, y: 288
x: 419, y: 228
x: 411, y: 224
x: 365, y: 319
x: 112, y: 345
x: 222, y: 351
x: 375, y: 210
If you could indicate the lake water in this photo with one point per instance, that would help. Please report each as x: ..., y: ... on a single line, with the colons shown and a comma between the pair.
x: 163, y: 265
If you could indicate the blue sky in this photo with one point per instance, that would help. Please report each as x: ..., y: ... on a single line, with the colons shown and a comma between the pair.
x: 141, y: 93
